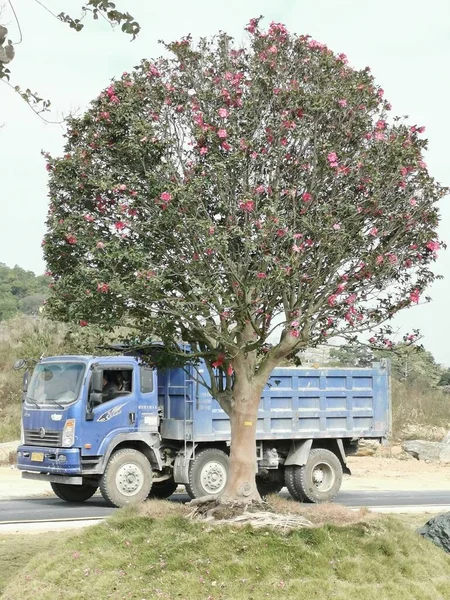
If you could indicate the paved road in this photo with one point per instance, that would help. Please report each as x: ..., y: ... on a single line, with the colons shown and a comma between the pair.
x: 40, y: 509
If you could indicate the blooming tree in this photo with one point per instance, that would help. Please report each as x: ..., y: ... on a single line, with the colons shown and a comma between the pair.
x: 223, y: 193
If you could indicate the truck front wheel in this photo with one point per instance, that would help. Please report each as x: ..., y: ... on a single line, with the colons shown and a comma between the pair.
x: 73, y: 493
x: 127, y: 478
x: 320, y: 479
x: 208, y: 473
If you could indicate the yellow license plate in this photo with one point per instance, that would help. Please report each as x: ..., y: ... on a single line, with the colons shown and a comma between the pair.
x: 37, y: 456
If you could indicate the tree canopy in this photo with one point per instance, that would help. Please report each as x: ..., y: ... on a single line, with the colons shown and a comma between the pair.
x: 225, y: 193
x: 21, y: 291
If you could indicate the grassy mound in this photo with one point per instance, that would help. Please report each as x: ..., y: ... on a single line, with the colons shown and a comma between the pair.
x: 156, y: 552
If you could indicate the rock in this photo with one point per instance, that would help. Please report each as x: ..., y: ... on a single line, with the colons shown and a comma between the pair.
x: 437, y: 530
x: 428, y: 451
x: 8, y: 452
x: 367, y: 447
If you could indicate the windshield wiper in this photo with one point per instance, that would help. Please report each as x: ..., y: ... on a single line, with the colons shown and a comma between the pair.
x: 33, y: 401
x: 56, y: 402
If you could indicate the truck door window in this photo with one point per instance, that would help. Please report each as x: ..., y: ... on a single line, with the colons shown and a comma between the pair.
x: 116, y: 383
x: 146, y: 380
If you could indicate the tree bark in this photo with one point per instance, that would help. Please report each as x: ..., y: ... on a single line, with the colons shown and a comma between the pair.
x: 241, y: 487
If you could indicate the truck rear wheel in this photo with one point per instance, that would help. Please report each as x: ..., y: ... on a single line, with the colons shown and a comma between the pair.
x: 208, y: 473
x: 320, y: 479
x: 289, y: 473
x: 163, y: 489
x: 127, y: 478
x: 73, y: 493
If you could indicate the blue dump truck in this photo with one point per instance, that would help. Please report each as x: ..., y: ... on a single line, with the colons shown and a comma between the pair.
x: 155, y: 429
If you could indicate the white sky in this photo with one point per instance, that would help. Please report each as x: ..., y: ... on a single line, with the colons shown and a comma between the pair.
x: 406, y: 43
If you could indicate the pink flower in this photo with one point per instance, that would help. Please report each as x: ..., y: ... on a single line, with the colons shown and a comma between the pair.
x: 379, y: 259
x: 294, y: 333
x: 247, y: 205
x: 413, y: 201
x: 306, y: 197
x: 226, y: 146
x: 433, y: 245
x: 379, y: 135
x: 373, y: 231
x: 295, y: 324
x: 260, y: 189
x: 372, y: 340
x: 71, y: 239
x: 100, y: 245
x: 332, y: 158
x: 331, y: 301
x: 119, y: 225
x: 103, y: 288
x: 351, y: 299
x: 83, y: 324
x: 122, y: 187
x: 336, y: 226
x: 381, y: 124
x: 414, y: 296
x: 166, y: 197
x: 261, y: 275
x: 393, y: 259
x: 342, y: 102
x: 222, y: 133
x: 296, y: 248
x: 203, y: 150
x: 89, y: 218
x: 223, y: 113
x: 243, y: 144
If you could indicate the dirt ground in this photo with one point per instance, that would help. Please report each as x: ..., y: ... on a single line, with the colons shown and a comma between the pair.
x: 385, y: 473
x: 392, y: 472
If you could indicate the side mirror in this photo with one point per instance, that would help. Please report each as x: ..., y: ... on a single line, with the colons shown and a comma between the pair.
x: 19, y: 364
x: 25, y: 382
x: 95, y: 398
x: 97, y: 382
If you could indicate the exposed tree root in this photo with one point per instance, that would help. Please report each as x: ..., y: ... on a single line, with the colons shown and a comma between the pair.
x: 257, y: 514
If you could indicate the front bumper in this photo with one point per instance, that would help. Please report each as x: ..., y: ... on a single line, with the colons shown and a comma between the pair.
x: 60, y: 461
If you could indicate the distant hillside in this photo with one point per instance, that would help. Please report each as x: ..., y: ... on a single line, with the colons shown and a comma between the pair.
x: 21, y: 291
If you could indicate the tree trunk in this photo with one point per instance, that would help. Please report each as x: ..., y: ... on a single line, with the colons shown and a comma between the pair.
x: 241, y: 486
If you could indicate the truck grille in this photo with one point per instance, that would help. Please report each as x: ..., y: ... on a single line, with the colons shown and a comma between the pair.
x: 50, y: 438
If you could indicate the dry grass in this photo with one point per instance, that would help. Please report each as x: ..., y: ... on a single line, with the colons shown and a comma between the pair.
x: 320, y: 514
x: 419, y: 411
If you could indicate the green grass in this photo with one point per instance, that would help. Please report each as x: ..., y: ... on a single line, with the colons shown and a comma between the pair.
x: 170, y: 557
x: 17, y: 550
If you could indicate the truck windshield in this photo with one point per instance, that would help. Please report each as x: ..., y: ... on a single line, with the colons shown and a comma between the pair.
x: 55, y: 383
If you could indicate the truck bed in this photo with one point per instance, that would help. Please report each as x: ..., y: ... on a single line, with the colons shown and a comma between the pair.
x: 297, y: 403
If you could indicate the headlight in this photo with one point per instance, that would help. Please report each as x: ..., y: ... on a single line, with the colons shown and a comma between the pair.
x: 68, y: 436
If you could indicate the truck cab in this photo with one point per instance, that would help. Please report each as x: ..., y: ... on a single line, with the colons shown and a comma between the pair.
x: 77, y: 411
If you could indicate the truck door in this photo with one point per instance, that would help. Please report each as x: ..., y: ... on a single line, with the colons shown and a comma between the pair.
x: 117, y: 412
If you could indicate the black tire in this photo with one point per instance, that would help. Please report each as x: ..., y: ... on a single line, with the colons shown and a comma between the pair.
x: 321, y: 478
x: 73, y: 493
x: 208, y: 473
x: 271, y: 483
x: 127, y: 478
x: 163, y: 489
x: 289, y: 473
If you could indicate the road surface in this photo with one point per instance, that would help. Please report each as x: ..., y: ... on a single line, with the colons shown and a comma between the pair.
x: 53, y: 509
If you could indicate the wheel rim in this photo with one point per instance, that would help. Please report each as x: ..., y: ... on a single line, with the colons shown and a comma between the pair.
x: 129, y: 479
x: 213, y: 477
x: 323, y: 477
